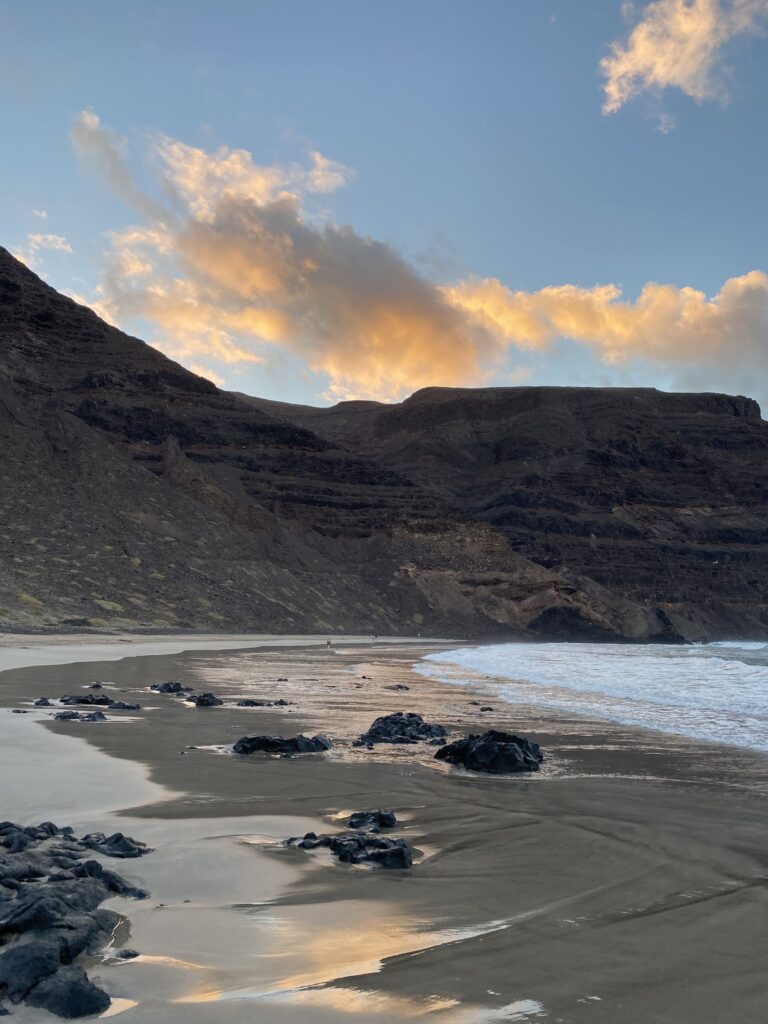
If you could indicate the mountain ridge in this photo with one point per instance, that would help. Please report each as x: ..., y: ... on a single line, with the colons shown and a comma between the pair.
x: 138, y: 495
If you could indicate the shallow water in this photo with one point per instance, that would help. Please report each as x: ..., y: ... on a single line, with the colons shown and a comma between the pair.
x: 715, y: 692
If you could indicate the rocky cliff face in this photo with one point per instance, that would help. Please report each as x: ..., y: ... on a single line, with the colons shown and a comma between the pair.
x: 662, y: 498
x: 137, y: 494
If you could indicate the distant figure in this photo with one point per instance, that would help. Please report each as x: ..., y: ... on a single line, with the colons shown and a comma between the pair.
x: 327, y: 643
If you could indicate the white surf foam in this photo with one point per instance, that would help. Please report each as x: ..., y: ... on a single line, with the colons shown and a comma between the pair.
x: 716, y: 692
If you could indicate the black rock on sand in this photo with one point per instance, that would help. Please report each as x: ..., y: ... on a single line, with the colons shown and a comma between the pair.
x: 49, y: 915
x: 176, y: 689
x: 280, y: 745
x: 495, y: 752
x: 360, y: 848
x: 372, y: 820
x: 401, y: 727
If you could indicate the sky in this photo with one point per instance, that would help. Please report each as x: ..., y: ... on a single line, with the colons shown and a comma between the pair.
x: 315, y: 202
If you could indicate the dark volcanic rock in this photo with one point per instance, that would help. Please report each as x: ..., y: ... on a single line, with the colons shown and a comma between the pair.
x: 252, y: 703
x: 371, y: 820
x: 173, y: 688
x: 279, y: 745
x: 23, y: 965
x: 51, y: 914
x: 359, y: 848
x: 401, y: 727
x: 116, y: 845
x: 397, y: 686
x: 69, y: 993
x: 88, y: 699
x: 205, y: 700
x: 496, y: 752
x: 43, y: 702
x: 80, y: 716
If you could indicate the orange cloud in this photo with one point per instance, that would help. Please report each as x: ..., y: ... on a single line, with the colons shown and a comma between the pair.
x: 237, y: 268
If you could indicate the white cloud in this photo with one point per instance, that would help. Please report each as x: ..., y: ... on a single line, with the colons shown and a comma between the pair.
x: 35, y: 244
x: 678, y: 44
x: 42, y: 214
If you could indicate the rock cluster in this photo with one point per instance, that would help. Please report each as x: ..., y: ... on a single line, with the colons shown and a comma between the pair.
x: 50, y: 896
x: 88, y: 700
x: 401, y: 727
x: 80, y: 716
x: 205, y: 700
x: 176, y: 689
x: 495, y: 752
x: 280, y: 745
x: 359, y: 848
x: 251, y: 703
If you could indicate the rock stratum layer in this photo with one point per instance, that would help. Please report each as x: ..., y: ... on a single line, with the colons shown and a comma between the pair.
x: 138, y: 495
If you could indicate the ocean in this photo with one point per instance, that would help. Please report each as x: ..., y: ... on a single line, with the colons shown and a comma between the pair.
x: 716, y: 692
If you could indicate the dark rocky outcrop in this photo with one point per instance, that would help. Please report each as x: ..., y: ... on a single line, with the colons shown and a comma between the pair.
x: 80, y: 716
x: 401, y: 727
x: 360, y: 848
x: 205, y: 700
x: 495, y: 752
x: 280, y: 745
x: 176, y: 689
x: 371, y: 821
x: 50, y: 897
x: 252, y: 703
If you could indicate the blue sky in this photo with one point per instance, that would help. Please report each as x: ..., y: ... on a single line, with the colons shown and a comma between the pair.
x: 475, y: 148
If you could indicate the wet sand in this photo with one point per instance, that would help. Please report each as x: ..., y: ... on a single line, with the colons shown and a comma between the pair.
x: 624, y: 882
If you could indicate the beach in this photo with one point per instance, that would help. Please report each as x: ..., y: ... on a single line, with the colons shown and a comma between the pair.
x: 624, y: 881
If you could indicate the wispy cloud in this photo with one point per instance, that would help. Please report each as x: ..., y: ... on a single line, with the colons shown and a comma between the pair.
x: 233, y: 268
x: 41, y: 214
x: 678, y: 44
x: 35, y: 244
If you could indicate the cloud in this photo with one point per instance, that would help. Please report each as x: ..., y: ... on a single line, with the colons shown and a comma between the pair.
x: 42, y: 214
x: 238, y: 270
x: 35, y: 244
x: 680, y: 328
x: 678, y: 44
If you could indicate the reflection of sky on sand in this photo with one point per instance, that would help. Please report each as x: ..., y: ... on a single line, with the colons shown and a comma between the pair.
x: 307, y: 946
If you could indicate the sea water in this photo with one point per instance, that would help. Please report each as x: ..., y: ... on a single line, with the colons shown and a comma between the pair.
x: 716, y: 692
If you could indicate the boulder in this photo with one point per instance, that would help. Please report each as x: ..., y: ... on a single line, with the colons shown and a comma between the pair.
x: 396, y: 686
x: 494, y: 752
x: 251, y: 703
x: 116, y: 845
x: 372, y: 820
x: 43, y: 702
x: 69, y: 993
x: 25, y: 964
x: 88, y: 699
x: 50, y: 917
x: 172, y: 688
x: 359, y: 848
x: 401, y: 727
x: 78, y: 716
x: 205, y: 700
x: 121, y: 705
x: 280, y: 745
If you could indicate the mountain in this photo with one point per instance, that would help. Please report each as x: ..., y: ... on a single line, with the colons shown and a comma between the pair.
x: 138, y: 495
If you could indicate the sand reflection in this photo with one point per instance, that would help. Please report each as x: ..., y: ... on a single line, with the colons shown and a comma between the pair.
x: 308, y: 946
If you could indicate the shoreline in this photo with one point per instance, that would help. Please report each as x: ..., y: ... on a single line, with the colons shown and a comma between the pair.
x: 610, y: 847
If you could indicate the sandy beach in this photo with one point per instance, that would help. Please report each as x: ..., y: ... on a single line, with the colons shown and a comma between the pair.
x: 623, y: 882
